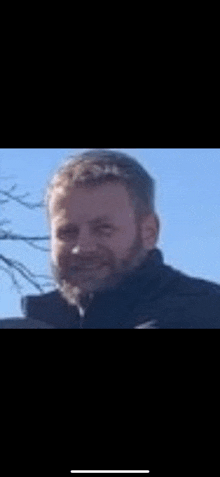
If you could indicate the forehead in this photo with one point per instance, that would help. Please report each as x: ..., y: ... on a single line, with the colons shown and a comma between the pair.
x: 107, y: 200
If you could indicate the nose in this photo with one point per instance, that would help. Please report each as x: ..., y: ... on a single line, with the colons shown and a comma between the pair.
x: 85, y: 243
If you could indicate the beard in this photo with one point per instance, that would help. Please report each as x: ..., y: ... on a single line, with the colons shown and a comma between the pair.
x: 76, y: 288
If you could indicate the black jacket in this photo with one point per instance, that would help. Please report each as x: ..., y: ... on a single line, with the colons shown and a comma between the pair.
x: 155, y: 296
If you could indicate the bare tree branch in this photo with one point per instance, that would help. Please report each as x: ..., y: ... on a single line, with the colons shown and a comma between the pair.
x: 11, y: 266
x: 10, y: 272
x: 23, y: 270
x: 8, y: 235
x: 5, y: 221
x: 33, y: 245
x: 13, y: 187
x: 19, y: 197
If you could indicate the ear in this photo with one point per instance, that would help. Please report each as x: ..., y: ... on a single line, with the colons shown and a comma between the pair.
x: 150, y: 231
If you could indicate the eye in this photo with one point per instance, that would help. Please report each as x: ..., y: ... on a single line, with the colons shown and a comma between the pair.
x: 65, y: 232
x: 105, y: 227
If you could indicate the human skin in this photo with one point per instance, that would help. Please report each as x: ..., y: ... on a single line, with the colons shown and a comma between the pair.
x: 114, y: 246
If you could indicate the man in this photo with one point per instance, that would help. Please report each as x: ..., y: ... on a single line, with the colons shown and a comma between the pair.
x: 107, y: 268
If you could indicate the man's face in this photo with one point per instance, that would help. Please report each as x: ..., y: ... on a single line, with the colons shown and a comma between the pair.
x: 96, y: 241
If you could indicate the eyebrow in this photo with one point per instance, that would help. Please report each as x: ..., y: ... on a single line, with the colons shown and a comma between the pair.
x: 97, y: 220
x: 100, y: 219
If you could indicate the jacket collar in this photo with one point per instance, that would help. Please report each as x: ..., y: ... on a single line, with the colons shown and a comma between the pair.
x: 54, y: 303
x: 143, y: 275
x: 147, y: 270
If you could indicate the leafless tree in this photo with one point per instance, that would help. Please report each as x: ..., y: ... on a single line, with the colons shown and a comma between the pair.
x: 13, y: 267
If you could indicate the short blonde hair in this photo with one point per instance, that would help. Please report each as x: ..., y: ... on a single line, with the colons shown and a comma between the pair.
x: 98, y: 166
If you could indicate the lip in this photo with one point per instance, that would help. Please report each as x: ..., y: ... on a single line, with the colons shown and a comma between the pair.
x: 87, y: 269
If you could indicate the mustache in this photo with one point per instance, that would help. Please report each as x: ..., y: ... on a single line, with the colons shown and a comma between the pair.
x: 88, y: 262
x: 64, y: 271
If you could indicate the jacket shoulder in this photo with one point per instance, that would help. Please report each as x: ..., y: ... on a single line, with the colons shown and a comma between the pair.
x: 192, y: 303
x: 22, y: 324
x: 39, y: 303
x: 50, y: 308
x: 34, y: 309
x: 187, y: 285
x: 180, y: 301
x: 43, y: 298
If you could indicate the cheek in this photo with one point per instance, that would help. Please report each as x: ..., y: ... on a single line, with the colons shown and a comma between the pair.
x: 53, y: 253
x: 122, y: 243
x: 58, y: 251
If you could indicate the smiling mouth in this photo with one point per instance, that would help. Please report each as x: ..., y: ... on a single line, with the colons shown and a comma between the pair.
x: 86, y: 268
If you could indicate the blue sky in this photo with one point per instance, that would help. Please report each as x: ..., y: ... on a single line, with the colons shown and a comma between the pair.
x: 187, y: 201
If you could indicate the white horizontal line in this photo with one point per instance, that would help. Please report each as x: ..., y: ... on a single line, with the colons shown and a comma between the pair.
x: 110, y: 471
